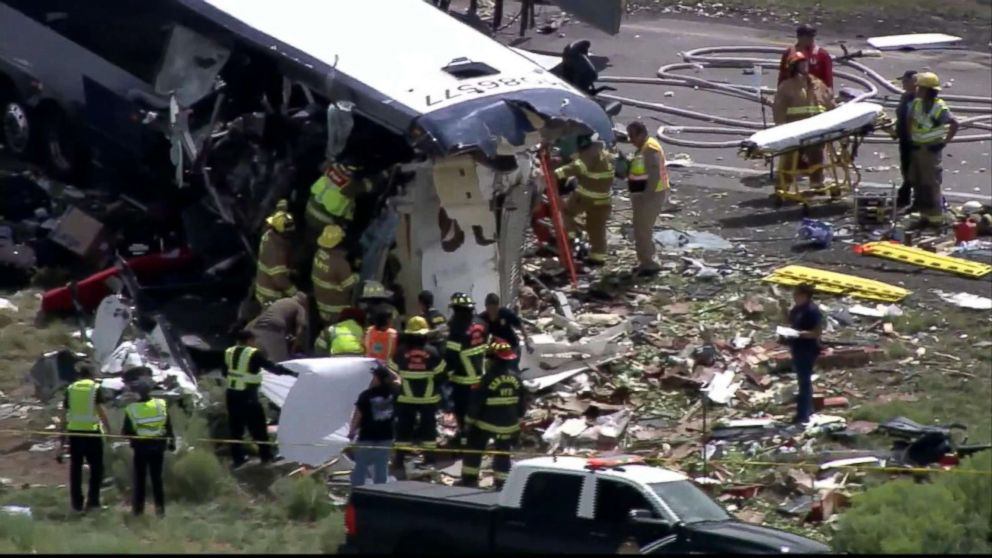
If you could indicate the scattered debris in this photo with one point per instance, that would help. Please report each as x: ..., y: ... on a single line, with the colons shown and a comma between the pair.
x: 966, y: 300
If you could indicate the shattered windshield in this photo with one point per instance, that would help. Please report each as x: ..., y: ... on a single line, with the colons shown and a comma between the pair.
x: 689, y: 503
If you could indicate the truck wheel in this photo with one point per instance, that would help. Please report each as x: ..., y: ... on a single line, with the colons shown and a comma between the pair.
x: 58, y: 145
x: 16, y: 128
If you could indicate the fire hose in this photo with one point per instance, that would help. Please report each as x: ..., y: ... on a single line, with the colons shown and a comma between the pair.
x: 873, y: 83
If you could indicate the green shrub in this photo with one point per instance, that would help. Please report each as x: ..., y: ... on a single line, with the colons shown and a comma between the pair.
x: 304, y: 498
x: 195, y: 476
x: 17, y: 531
x: 947, y: 516
x: 331, y: 533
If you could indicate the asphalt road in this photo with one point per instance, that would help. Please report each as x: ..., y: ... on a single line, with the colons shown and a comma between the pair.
x: 645, y: 43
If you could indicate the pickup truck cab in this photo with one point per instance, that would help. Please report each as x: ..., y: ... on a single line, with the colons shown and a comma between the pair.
x: 558, y: 505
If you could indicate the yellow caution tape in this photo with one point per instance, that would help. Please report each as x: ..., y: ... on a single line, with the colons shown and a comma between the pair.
x: 837, y: 283
x: 519, y: 454
x: 923, y: 258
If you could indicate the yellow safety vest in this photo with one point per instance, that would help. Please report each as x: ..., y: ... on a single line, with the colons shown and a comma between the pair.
x: 924, y: 130
x: 327, y: 204
x: 344, y: 338
x: 239, y: 376
x: 148, y: 417
x: 639, y: 171
x: 81, y: 414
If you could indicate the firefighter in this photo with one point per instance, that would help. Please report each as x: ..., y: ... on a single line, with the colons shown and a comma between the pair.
x: 647, y: 181
x: 465, y: 351
x: 333, y: 279
x: 332, y: 199
x: 375, y: 298
x: 495, y: 411
x: 931, y: 127
x: 421, y: 370
x: 273, y: 279
x: 821, y: 64
x: 593, y: 169
x: 344, y: 337
x: 243, y: 365
x: 799, y: 97
x: 380, y: 338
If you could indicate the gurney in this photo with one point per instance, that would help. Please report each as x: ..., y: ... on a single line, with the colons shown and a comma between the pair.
x: 840, y: 131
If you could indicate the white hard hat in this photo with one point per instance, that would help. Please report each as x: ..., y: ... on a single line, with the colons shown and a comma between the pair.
x: 972, y: 206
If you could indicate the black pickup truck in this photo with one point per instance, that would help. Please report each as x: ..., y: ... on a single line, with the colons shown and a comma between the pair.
x: 558, y: 506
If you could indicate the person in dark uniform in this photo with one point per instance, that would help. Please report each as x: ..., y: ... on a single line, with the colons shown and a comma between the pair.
x: 243, y: 365
x: 504, y: 323
x: 147, y: 420
x: 494, y: 413
x: 83, y: 415
x: 435, y: 319
x: 806, y: 318
x: 465, y: 352
x: 905, y: 195
x: 422, y: 371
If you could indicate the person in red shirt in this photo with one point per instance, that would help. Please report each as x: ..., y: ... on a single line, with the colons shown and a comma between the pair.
x: 820, y: 63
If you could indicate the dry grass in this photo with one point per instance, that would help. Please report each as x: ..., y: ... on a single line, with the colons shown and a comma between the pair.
x: 22, y: 341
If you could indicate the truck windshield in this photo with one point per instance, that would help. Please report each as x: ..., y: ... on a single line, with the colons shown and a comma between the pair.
x: 689, y: 503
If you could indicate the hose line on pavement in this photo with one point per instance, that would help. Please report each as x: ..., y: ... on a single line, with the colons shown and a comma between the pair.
x: 873, y: 85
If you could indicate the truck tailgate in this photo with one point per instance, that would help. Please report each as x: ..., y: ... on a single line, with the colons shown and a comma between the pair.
x: 390, y: 516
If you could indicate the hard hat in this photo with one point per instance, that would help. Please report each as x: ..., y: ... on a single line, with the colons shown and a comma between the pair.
x: 331, y: 236
x: 417, y: 325
x: 282, y: 205
x: 972, y: 206
x: 928, y: 80
x: 463, y: 300
x: 374, y: 289
x: 502, y: 350
x: 797, y: 56
x: 281, y: 222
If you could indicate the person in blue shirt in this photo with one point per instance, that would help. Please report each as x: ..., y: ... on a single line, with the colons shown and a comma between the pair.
x: 806, y: 318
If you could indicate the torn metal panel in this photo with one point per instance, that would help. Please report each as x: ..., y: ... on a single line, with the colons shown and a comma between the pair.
x: 112, y: 318
x: 190, y: 67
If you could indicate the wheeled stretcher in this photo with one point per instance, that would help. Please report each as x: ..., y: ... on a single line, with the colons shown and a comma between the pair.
x: 839, y: 132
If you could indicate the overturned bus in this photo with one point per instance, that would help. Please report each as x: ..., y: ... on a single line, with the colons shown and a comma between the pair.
x: 222, y: 107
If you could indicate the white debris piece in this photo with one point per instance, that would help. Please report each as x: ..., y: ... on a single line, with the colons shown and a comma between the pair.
x: 7, y: 305
x: 722, y: 387
x: 966, y: 300
x: 879, y: 311
x: 849, y: 462
x: 787, y: 332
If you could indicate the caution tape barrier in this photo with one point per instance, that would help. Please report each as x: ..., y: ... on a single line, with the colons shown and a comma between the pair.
x: 520, y: 454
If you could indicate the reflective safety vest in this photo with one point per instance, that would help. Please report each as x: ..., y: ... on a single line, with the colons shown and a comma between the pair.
x: 380, y: 343
x: 924, y: 129
x: 81, y: 414
x: 327, y: 203
x: 344, y: 338
x: 272, y: 280
x: 639, y: 171
x: 148, y: 417
x: 239, y: 376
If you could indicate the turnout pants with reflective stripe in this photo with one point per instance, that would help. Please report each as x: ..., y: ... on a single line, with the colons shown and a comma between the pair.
x: 478, y: 439
x: 597, y: 212
x: 926, y: 173
x: 460, y: 396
